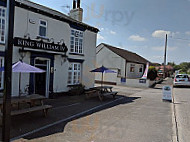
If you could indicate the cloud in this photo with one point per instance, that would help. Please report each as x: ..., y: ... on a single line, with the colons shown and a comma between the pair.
x: 161, y: 48
x: 101, y: 29
x: 137, y: 38
x: 100, y: 37
x: 189, y: 44
x: 112, y: 32
x: 161, y: 33
x: 187, y: 33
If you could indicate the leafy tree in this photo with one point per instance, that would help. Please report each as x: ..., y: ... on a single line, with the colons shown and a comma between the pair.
x: 171, y: 64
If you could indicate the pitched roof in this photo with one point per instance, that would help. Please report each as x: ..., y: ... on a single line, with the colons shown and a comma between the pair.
x: 27, y: 4
x: 127, y: 55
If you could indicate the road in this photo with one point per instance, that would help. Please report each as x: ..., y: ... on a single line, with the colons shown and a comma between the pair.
x: 140, y: 117
x: 182, y: 108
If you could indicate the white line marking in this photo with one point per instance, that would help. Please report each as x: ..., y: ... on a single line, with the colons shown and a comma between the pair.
x: 63, y: 120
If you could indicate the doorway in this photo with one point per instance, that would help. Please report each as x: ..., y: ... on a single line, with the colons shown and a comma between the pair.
x: 41, y: 80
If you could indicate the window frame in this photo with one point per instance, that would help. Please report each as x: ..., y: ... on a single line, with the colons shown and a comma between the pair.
x: 132, y: 68
x: 76, y: 69
x: 41, y: 25
x: 141, y: 69
x: 1, y: 73
x: 76, y: 41
x: 1, y: 19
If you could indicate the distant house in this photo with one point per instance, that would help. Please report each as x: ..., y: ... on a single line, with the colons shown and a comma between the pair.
x: 128, y: 65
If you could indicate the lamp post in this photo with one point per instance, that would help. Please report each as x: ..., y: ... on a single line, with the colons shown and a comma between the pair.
x: 164, y: 72
x: 8, y: 70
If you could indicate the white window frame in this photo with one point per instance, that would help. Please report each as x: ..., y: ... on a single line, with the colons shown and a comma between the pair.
x: 2, y: 18
x: 132, y: 66
x: 2, y: 73
x: 141, y: 67
x: 41, y: 25
x: 74, y: 73
x: 76, y: 41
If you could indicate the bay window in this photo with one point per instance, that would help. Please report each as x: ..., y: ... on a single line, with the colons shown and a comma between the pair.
x: 76, y: 41
x: 1, y: 73
x: 2, y: 24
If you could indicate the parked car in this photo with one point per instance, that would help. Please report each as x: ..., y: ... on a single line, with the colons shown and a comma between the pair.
x: 181, y: 80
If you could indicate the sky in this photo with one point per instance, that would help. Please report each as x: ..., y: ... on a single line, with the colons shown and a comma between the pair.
x: 139, y: 26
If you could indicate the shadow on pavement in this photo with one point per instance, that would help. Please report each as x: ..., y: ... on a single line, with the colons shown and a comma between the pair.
x: 23, y: 124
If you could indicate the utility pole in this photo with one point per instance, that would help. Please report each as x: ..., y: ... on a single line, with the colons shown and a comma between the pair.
x: 8, y: 70
x: 165, y: 56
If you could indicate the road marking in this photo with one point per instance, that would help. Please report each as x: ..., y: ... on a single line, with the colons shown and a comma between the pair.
x: 66, y: 119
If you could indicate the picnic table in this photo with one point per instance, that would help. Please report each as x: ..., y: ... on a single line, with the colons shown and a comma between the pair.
x: 30, y: 103
x: 101, y: 92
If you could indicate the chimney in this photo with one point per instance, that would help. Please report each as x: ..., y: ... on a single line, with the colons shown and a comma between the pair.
x: 77, y: 12
x: 74, y: 4
x: 78, y: 3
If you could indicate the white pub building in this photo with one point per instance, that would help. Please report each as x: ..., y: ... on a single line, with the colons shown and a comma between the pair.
x: 61, y: 45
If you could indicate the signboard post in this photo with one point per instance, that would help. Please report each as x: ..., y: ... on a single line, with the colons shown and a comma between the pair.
x: 167, y: 93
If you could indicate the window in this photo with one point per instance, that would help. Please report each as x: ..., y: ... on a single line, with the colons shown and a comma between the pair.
x: 2, y: 25
x: 76, y: 42
x: 141, y: 69
x: 132, y: 68
x: 74, y: 74
x: 119, y: 72
x: 1, y: 73
x: 43, y: 28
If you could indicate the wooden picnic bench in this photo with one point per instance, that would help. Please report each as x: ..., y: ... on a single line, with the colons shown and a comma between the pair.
x: 31, y: 103
x: 101, y: 92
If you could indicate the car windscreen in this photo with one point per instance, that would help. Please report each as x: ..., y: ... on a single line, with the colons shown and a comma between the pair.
x: 181, y: 76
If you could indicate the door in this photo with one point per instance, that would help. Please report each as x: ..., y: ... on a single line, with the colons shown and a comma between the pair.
x: 42, y: 79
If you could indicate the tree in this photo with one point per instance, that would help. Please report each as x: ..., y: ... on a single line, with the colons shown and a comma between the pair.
x: 171, y: 64
x: 152, y: 73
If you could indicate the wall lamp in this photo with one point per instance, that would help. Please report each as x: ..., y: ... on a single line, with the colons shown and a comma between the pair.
x: 22, y: 53
x: 27, y: 35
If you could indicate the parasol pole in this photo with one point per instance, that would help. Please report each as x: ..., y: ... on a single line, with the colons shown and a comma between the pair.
x: 19, y: 84
x: 102, y: 79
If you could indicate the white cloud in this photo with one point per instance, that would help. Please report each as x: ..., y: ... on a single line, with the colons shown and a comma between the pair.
x: 100, y: 37
x: 137, y: 38
x: 112, y: 32
x: 187, y: 33
x: 101, y: 29
x: 162, y: 48
x: 189, y: 44
x: 161, y: 33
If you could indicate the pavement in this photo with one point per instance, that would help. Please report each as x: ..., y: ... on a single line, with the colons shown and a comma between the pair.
x: 182, y: 112
x: 136, y: 115
x: 65, y: 109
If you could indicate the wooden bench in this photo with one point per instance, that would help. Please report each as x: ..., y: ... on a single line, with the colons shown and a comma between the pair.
x: 101, y: 97
x: 91, y: 93
x: 44, y: 108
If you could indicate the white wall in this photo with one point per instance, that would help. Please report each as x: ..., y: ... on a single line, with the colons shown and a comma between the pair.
x: 136, y: 73
x: 135, y: 83
x: 57, y: 30
x: 110, y: 60
x: 89, y: 59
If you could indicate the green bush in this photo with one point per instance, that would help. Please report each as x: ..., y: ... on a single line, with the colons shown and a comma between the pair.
x: 152, y: 73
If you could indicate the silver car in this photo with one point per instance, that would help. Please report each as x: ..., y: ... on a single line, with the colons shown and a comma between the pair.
x: 181, y: 80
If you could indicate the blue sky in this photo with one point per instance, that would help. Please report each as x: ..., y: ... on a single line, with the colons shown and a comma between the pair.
x: 138, y: 26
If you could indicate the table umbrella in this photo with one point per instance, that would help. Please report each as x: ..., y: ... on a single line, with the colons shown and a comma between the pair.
x: 21, y: 67
x: 102, y: 70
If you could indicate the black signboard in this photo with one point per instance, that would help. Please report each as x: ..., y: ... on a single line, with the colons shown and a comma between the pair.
x: 142, y: 80
x: 34, y: 44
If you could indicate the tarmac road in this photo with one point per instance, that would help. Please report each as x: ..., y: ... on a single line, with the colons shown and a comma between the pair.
x: 140, y: 117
